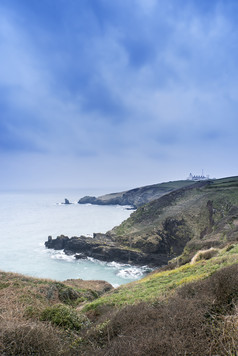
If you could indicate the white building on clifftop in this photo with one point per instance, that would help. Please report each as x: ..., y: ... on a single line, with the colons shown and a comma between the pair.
x: 197, y: 178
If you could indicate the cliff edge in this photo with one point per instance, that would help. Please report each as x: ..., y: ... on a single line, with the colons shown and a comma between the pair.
x: 138, y: 196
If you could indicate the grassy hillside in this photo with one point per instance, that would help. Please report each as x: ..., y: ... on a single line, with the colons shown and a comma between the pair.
x: 190, y: 310
x: 199, y: 216
x: 39, y: 317
x: 189, y: 307
x: 161, y: 284
x: 159, y: 314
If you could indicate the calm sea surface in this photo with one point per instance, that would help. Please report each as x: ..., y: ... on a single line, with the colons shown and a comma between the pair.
x: 27, y: 218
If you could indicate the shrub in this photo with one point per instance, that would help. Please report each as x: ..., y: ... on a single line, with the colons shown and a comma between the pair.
x: 30, y: 339
x: 64, y: 316
x: 230, y: 247
x: 224, y: 286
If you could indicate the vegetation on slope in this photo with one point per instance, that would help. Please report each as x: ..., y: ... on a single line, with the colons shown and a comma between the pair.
x: 199, y: 216
x: 199, y: 319
x: 161, y: 284
x: 40, y: 317
x: 191, y: 309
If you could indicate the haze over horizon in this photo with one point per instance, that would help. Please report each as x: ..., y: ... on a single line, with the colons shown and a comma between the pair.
x: 101, y: 93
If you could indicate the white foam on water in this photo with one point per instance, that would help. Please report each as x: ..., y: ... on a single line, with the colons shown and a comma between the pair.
x: 115, y: 285
x: 60, y: 255
x: 116, y: 264
x: 131, y: 273
x: 122, y: 270
x: 127, y: 271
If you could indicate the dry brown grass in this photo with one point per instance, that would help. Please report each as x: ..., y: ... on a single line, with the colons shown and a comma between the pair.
x: 199, y: 320
x: 27, y: 338
x: 99, y: 286
x: 204, y: 255
x: 20, y: 334
x: 24, y: 301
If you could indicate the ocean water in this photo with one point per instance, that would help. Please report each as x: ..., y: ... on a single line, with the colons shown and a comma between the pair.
x: 27, y: 218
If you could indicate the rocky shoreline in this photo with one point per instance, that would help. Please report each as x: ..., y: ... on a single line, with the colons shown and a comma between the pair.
x: 179, y: 223
x: 102, y: 248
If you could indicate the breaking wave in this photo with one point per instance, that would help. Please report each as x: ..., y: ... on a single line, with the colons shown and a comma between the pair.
x: 60, y: 255
x: 124, y: 271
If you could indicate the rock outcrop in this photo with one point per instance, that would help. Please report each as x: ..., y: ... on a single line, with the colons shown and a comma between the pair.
x: 104, y: 250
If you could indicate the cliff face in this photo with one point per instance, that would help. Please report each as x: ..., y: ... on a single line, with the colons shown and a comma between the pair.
x: 136, y: 197
x: 194, y: 217
x: 198, y: 216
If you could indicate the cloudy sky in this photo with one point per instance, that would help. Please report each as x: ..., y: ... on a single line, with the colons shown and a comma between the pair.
x: 117, y: 93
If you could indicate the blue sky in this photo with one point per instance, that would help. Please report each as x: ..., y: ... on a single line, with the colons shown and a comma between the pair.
x: 102, y: 93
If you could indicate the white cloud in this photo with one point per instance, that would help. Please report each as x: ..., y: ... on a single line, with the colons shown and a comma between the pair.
x: 180, y: 98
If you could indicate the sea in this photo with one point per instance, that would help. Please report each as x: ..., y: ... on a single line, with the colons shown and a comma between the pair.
x: 28, y: 217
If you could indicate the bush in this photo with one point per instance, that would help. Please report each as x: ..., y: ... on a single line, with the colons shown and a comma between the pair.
x: 64, y: 316
x: 224, y: 287
x: 30, y: 339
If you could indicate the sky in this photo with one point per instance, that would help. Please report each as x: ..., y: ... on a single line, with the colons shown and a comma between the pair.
x: 102, y: 93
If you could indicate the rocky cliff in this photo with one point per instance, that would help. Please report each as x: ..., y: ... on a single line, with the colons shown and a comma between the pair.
x: 198, y: 216
x: 138, y: 196
x: 194, y: 217
x: 104, y: 249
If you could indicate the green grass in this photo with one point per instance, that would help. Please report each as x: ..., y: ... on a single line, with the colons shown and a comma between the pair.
x: 64, y: 316
x: 161, y: 284
x: 207, y: 213
x: 229, y: 182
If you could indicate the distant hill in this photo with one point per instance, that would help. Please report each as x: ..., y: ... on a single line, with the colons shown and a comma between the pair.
x: 138, y: 196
